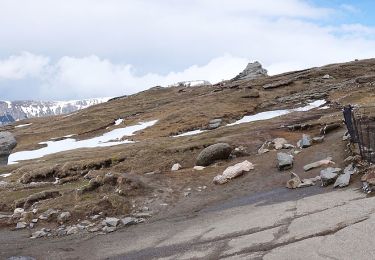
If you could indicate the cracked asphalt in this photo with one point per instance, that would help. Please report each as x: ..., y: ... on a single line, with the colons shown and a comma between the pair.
x: 333, y: 225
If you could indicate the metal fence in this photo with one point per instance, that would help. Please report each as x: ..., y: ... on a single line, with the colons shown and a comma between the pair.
x: 360, y: 122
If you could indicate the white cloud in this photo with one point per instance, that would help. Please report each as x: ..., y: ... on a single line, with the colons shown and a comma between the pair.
x: 92, y: 76
x: 20, y: 66
x: 115, y: 47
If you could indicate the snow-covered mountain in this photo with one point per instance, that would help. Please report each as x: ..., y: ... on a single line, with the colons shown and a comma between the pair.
x: 11, y: 111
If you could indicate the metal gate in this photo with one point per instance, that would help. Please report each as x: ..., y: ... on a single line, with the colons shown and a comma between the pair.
x: 360, y: 122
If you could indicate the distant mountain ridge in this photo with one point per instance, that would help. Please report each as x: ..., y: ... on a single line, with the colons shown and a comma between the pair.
x: 11, y: 111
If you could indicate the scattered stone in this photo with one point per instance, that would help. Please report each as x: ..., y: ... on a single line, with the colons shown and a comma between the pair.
x: 128, y: 221
x: 305, y: 142
x: 279, y: 143
x: 94, y: 229
x: 7, y: 144
x: 298, y: 127
x: 327, y: 76
x: 209, y: 155
x: 329, y: 175
x: 343, y: 180
x: 199, y: 168
x: 233, y: 171
x: 113, y: 222
x: 329, y: 128
x: 285, y: 161
x: 350, y: 169
x: 49, y: 214
x: 18, y: 212
x: 35, y: 220
x: 252, y: 71
x: 294, y: 182
x: 265, y: 148
x: 215, y: 123
x: 21, y: 225
x: 309, y: 182
x: 317, y: 164
x: 95, y: 217
x: 41, y: 233
x: 72, y: 230
x: 176, y: 167
x: 318, y: 139
x: 107, y: 229
x: 186, y: 194
x: 288, y: 146
x: 64, y: 217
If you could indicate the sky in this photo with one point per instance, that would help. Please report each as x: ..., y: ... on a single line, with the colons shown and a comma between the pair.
x: 73, y: 49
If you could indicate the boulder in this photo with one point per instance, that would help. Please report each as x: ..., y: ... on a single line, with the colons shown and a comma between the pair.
x: 7, y: 144
x: 329, y: 175
x: 209, y: 155
x: 252, y: 71
x: 285, y: 161
x: 233, y: 171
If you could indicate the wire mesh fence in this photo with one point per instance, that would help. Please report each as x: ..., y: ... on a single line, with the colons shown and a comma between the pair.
x: 360, y: 122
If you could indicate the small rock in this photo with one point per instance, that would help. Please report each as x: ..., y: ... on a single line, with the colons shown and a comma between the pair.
x: 342, y: 181
x: 318, y: 139
x: 186, y: 194
x: 350, y: 169
x: 128, y: 221
x: 35, y: 220
x: 285, y: 161
x: 40, y: 233
x: 318, y: 164
x: 18, y: 211
x: 72, y: 230
x: 107, y: 229
x: 199, y: 168
x: 21, y: 225
x: 279, y: 143
x: 176, y: 167
x: 95, y: 217
x: 305, y: 142
x: 329, y: 175
x: 64, y: 217
x: 215, y: 123
x: 294, y: 182
x: 327, y: 76
x: 233, y: 171
x: 265, y: 148
x: 113, y: 222
x: 94, y: 229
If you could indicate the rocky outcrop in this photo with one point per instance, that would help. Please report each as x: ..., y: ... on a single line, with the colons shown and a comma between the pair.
x: 7, y: 144
x: 252, y: 71
x: 209, y: 155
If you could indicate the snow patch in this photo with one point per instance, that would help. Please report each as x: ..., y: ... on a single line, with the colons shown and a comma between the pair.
x: 19, y: 126
x: 194, y: 132
x: 111, y: 138
x: 119, y: 121
x: 272, y: 114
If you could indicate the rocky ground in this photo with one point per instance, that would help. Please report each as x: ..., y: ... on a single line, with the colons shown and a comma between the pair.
x: 236, y: 195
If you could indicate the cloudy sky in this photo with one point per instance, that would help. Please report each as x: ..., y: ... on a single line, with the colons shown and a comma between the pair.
x: 71, y: 49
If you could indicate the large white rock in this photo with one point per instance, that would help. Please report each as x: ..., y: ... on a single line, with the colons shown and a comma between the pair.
x: 176, y: 167
x: 233, y: 171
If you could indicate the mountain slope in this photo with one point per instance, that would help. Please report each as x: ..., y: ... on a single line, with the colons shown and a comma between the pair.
x: 17, y: 110
x: 85, y: 182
